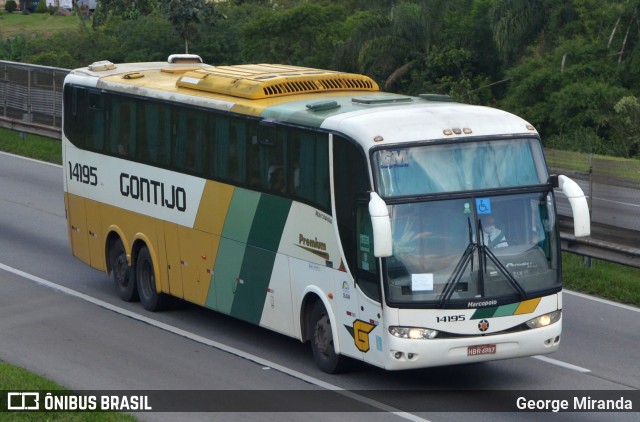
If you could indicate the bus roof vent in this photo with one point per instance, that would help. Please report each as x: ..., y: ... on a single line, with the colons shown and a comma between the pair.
x: 268, y: 81
x: 184, y: 58
x: 382, y: 99
x: 101, y: 66
x: 436, y: 97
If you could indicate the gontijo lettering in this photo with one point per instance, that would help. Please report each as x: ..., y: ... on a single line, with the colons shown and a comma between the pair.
x: 153, y: 192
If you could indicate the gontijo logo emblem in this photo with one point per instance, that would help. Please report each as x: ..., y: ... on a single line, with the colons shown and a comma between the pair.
x: 360, y: 333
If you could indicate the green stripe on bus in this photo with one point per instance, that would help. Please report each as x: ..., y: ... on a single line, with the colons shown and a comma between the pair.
x: 240, y: 216
x: 506, y: 310
x: 496, y: 311
x: 484, y: 313
x: 251, y: 292
x: 226, y: 274
x: 257, y: 265
x: 268, y: 223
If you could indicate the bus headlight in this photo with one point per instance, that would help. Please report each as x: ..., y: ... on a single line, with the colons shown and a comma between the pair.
x: 544, y: 320
x: 413, y: 333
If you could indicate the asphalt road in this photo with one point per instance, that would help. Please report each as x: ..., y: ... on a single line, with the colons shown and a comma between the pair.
x: 63, y: 320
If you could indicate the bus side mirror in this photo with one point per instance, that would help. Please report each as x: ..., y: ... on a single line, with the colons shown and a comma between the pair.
x: 579, y: 206
x: 381, y: 224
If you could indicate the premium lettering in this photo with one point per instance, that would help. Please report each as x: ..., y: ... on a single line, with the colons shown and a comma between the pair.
x: 313, y: 243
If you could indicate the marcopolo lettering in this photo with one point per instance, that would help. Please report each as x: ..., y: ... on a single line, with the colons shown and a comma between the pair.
x: 153, y: 192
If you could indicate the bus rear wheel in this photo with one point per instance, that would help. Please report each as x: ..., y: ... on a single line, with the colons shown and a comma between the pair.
x: 146, y: 281
x: 322, y: 346
x: 122, y: 277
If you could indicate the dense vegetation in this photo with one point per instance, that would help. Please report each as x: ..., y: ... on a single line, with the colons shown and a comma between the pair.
x: 571, y: 67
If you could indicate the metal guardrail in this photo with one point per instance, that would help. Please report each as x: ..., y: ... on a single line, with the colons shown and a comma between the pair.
x: 31, y: 102
x: 608, y: 243
x: 31, y: 98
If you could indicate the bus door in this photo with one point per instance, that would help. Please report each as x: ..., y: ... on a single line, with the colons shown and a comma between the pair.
x: 368, y: 327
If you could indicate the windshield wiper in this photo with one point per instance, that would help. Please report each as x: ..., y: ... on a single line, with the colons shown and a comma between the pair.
x: 486, y: 251
x: 461, y: 266
x: 467, y: 257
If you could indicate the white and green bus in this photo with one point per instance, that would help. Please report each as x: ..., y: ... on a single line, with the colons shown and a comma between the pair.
x: 406, y: 232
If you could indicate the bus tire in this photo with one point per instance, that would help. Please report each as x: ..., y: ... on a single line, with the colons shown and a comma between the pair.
x: 322, y: 346
x: 150, y: 298
x: 122, y: 277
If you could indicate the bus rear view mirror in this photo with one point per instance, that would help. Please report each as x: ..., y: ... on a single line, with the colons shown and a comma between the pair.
x: 579, y: 206
x: 381, y: 223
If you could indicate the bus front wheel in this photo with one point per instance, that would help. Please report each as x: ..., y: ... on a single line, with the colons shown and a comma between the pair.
x: 150, y: 298
x: 322, y: 346
x: 124, y: 281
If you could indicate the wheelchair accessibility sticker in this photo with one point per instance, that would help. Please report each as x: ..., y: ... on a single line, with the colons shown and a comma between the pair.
x: 483, y: 205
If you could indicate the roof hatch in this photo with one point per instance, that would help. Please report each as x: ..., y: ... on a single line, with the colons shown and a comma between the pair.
x: 267, y: 81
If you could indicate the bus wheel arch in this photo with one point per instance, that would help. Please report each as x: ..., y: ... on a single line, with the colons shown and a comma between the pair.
x: 119, y: 268
x: 318, y: 329
x: 145, y: 273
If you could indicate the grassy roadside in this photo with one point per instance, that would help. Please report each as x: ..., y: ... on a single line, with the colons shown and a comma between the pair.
x: 603, y: 166
x: 17, y: 379
x: 14, y: 24
x: 32, y: 146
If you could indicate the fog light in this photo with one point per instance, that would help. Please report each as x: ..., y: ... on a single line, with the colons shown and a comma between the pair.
x: 398, y: 355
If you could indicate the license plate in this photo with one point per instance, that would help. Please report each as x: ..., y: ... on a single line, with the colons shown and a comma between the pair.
x: 484, y: 349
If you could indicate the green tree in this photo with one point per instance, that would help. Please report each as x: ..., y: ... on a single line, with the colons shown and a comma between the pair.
x: 304, y: 34
x: 187, y: 15
x: 515, y: 25
x: 10, y: 6
x: 628, y: 125
x: 568, y: 92
x: 126, y: 9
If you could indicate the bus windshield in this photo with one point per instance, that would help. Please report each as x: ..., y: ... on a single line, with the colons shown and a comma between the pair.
x: 472, y: 249
x: 463, y: 166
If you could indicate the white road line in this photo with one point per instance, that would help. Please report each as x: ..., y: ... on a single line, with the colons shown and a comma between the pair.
x: 595, y: 299
x: 33, y: 160
x: 616, y: 202
x: 604, y: 301
x: 214, y: 344
x: 562, y: 364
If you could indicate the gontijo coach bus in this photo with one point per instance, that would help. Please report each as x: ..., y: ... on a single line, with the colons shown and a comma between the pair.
x: 308, y: 202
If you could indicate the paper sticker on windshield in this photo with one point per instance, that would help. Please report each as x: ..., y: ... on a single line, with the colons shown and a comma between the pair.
x: 483, y: 205
x: 421, y: 282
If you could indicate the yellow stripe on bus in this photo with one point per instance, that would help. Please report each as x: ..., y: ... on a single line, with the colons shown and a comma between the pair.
x: 528, y: 306
x: 213, y: 208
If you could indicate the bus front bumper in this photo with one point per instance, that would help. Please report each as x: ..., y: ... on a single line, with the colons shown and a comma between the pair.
x: 413, y: 354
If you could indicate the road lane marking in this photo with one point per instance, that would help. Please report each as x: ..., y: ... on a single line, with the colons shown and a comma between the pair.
x: 617, y: 202
x: 562, y: 364
x: 220, y: 346
x: 604, y: 301
x: 33, y: 160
